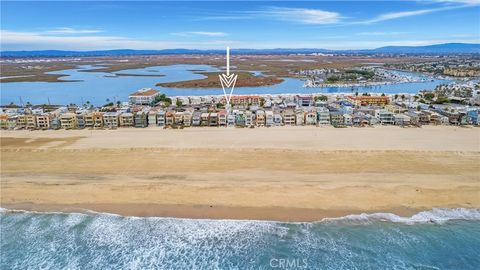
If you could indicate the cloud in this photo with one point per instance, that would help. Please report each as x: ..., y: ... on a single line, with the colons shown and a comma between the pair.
x: 13, y: 40
x: 381, y: 33
x: 68, y: 30
x: 301, y: 15
x: 403, y: 14
x: 200, y: 33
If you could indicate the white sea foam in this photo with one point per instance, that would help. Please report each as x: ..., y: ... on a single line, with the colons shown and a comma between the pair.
x: 436, y: 215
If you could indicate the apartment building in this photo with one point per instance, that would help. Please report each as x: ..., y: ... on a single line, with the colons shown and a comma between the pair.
x: 144, y: 96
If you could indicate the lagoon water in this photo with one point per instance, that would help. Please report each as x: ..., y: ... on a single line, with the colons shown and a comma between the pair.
x: 97, y: 87
x: 436, y: 239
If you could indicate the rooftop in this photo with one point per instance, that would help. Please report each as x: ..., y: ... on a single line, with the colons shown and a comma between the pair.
x: 145, y: 92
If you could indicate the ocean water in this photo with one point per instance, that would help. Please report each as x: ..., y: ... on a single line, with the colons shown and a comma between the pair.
x: 97, y: 87
x: 436, y: 239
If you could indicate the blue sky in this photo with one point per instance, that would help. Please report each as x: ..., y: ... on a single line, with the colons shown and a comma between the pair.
x: 69, y: 25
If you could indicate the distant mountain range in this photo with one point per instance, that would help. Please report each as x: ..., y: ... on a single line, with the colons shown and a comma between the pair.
x: 446, y: 48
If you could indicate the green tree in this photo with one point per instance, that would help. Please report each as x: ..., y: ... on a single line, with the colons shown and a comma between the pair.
x: 178, y: 103
x: 429, y: 96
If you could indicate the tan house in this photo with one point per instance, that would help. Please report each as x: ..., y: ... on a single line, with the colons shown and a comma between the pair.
x: 21, y: 122
x: 260, y: 118
x: 68, y: 121
x: 31, y: 121
x: 169, y: 118
x: 126, y: 119
x: 98, y: 120
x: 178, y: 118
x: 89, y: 122
x: 3, y: 121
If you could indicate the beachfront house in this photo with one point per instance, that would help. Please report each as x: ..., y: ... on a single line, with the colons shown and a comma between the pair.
x: 187, y: 118
x: 141, y: 119
x: 231, y: 119
x: 385, y: 117
x: 111, y: 120
x: 127, y: 119
x: 55, y: 122
x: 31, y: 122
x: 240, y: 119
x: 152, y: 118
x: 161, y: 118
x: 3, y: 121
x: 88, y: 119
x: 288, y: 118
x: 213, y: 119
x: 268, y: 118
x: 311, y: 118
x: 323, y: 116
x: 196, y: 118
x: 401, y: 119
x: 204, y: 119
x: 169, y: 118
x: 336, y: 118
x: 43, y: 121
x: 144, y: 96
x: 222, y: 118
x: 347, y: 119
x: 98, y: 119
x: 21, y: 121
x: 277, y: 119
x: 260, y: 118
x: 178, y: 118
x: 249, y: 118
x: 81, y: 119
x: 68, y: 121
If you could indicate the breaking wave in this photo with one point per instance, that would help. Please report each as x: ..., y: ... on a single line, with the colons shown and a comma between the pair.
x: 435, y: 239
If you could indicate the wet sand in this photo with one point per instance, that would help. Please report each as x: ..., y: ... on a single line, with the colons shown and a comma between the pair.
x: 284, y: 173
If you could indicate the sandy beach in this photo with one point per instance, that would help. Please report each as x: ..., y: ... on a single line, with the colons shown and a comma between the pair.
x: 282, y: 173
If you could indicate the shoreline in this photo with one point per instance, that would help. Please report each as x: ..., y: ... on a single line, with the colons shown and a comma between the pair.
x: 274, y: 214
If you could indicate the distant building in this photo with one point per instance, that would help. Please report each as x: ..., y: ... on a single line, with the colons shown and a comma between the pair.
x: 304, y: 101
x: 369, y: 100
x: 144, y: 96
x: 245, y: 101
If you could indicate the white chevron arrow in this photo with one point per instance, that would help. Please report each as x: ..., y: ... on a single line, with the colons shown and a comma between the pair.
x: 228, y: 80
